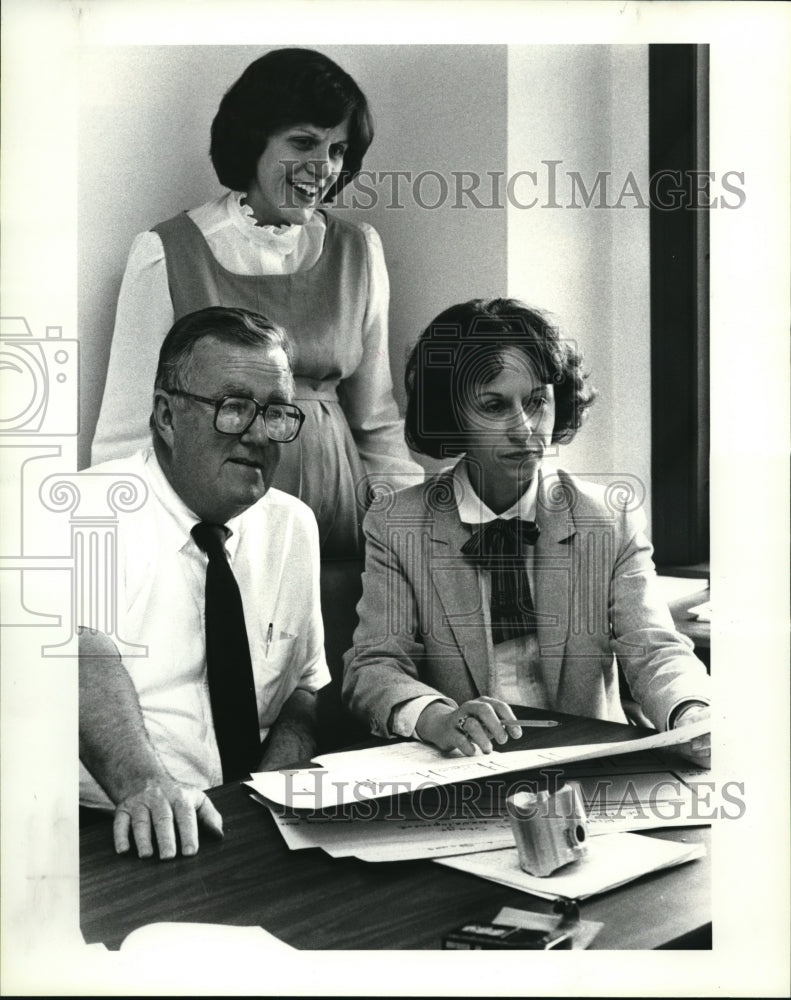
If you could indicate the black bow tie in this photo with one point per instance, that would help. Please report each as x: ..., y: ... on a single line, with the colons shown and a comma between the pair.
x: 500, y: 538
x: 499, y: 546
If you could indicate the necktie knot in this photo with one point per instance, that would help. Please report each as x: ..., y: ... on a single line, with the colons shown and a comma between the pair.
x: 500, y: 538
x: 211, y: 538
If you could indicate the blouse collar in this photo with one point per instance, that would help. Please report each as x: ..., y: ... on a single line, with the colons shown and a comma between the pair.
x: 472, y: 510
x: 281, y: 239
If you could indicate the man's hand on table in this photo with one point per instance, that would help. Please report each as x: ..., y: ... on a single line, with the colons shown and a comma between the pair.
x: 163, y: 814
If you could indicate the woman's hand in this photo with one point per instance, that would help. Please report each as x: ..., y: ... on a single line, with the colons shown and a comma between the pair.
x: 479, y: 723
x: 698, y: 750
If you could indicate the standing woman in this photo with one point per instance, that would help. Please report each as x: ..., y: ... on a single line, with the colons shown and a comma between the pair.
x: 288, y: 135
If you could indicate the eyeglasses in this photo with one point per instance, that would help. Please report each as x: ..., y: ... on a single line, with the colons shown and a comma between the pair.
x: 236, y: 414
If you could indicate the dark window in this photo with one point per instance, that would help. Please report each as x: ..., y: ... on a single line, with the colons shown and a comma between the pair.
x: 678, y: 157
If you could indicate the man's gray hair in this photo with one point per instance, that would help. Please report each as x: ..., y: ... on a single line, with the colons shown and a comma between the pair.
x: 228, y: 324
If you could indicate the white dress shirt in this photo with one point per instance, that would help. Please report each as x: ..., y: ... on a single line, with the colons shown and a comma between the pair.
x: 161, y: 579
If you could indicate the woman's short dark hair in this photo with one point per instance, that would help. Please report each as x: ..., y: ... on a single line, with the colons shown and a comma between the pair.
x: 228, y: 324
x: 461, y: 349
x: 282, y: 88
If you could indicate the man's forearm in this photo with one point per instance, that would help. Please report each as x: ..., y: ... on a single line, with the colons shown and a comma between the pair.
x: 292, y: 739
x: 114, y: 744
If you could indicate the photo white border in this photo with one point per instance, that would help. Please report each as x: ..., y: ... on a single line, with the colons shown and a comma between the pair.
x: 750, y: 86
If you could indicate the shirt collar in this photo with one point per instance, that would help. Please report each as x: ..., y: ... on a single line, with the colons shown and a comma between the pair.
x: 179, y: 519
x: 283, y: 240
x: 472, y: 510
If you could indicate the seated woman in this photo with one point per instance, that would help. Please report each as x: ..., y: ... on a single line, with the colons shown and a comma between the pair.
x: 504, y: 581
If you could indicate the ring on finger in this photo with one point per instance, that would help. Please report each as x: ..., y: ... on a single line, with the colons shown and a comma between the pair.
x: 461, y: 723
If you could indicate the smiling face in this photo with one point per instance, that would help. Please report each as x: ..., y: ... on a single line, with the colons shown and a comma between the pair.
x: 508, y: 424
x: 295, y: 171
x: 218, y: 476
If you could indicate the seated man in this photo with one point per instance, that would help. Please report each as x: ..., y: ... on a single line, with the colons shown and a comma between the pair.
x: 218, y: 586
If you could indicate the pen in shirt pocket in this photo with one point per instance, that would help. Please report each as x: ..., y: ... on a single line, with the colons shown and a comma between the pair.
x: 268, y: 639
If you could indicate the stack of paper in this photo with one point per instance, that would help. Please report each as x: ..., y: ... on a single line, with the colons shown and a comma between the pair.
x: 407, y: 800
x: 674, y: 588
x: 611, y: 861
x: 401, y: 834
x: 619, y: 794
x: 625, y: 798
x: 702, y: 612
x: 398, y: 768
x: 396, y: 839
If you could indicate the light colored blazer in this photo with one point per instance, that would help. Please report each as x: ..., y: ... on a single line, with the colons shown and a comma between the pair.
x: 425, y: 630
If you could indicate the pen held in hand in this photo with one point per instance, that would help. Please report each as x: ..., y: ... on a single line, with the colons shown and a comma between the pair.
x: 535, y: 723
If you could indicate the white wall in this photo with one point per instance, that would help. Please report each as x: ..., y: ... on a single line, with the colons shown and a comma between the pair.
x: 587, y: 106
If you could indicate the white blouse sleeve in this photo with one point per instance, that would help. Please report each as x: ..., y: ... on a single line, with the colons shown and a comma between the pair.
x: 143, y: 317
x: 367, y: 395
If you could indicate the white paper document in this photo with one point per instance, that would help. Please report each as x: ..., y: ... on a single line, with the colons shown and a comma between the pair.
x: 174, y: 942
x: 641, y: 800
x: 702, y: 612
x: 611, y: 861
x: 407, y: 767
x: 395, y: 839
x: 616, y: 799
x: 673, y: 588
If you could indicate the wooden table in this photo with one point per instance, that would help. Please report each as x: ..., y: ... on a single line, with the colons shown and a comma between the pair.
x: 313, y: 901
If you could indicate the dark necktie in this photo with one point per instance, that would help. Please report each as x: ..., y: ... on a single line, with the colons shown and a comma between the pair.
x: 500, y: 546
x: 228, y: 665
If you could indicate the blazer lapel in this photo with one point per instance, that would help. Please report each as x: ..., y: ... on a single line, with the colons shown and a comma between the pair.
x: 554, y: 576
x: 457, y: 588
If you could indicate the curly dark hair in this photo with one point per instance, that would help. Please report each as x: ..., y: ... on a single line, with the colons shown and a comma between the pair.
x: 282, y: 88
x: 461, y: 349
